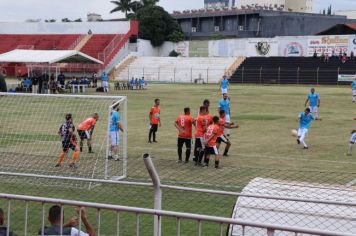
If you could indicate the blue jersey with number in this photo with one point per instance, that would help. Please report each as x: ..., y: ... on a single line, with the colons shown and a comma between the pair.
x: 313, y: 99
x: 224, y: 83
x: 305, y: 120
x: 115, y: 118
x: 225, y: 105
x: 354, y: 85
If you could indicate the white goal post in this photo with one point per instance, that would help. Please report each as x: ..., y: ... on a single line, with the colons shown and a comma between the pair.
x: 31, y: 145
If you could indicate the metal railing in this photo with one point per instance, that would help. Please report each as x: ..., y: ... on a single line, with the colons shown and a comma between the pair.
x: 222, y: 222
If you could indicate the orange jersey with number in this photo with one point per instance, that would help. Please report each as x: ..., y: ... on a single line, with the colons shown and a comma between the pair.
x: 222, y: 123
x: 212, y: 130
x: 87, y: 124
x: 209, y: 119
x: 185, y: 123
x: 155, y: 114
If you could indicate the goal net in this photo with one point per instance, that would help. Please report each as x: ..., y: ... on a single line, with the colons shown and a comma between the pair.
x: 30, y: 142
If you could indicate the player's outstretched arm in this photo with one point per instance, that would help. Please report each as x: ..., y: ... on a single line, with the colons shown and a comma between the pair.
x: 306, y: 102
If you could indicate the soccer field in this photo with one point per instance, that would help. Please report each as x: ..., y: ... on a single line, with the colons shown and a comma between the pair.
x: 261, y: 147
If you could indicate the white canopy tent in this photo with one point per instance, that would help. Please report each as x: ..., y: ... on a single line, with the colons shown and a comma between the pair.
x: 47, y: 57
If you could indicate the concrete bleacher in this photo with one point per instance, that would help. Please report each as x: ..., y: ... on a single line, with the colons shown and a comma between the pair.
x: 292, y: 70
x: 96, y: 44
x: 177, y: 69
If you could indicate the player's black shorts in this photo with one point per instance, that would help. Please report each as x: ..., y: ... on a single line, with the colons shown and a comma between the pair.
x: 83, y: 134
x: 199, y: 143
x: 154, y: 127
x: 212, y: 150
x: 186, y: 141
x: 66, y: 145
x: 222, y: 139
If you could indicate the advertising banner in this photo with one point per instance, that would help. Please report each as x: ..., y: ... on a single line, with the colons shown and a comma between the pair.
x: 293, y: 46
x: 328, y: 44
x: 352, y: 43
x: 346, y: 78
x: 262, y: 47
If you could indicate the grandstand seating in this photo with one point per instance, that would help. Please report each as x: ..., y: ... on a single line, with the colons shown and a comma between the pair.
x: 292, y: 70
x: 96, y: 44
x: 177, y: 69
x: 42, y: 42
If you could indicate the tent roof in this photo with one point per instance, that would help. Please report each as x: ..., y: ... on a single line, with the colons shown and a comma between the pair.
x: 47, y: 56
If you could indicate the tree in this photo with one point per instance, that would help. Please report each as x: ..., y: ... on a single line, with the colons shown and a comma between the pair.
x: 156, y: 25
x: 146, y: 3
x: 176, y: 36
x: 66, y: 20
x: 124, y: 6
x: 50, y: 21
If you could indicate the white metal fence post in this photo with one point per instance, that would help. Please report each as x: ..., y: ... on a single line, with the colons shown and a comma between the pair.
x: 158, y: 192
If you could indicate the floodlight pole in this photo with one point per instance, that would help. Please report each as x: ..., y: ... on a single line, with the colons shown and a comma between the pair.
x: 157, y: 191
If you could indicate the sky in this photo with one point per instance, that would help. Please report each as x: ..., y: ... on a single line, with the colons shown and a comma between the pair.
x: 47, y: 9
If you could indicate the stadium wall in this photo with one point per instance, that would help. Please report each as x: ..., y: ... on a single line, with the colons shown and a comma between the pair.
x: 115, y: 27
x: 294, y: 46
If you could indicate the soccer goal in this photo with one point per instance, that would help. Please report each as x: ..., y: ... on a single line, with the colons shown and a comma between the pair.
x: 30, y: 143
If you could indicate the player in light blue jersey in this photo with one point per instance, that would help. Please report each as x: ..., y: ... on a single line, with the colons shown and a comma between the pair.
x: 115, y: 127
x: 105, y: 82
x: 224, y: 85
x: 353, y: 85
x: 352, y: 141
x: 314, y: 103
x: 304, y: 119
x: 224, y: 105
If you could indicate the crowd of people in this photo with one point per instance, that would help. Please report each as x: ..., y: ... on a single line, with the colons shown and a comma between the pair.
x: 342, y: 55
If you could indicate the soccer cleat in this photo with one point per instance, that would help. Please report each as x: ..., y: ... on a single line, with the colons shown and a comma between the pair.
x: 225, y: 155
x: 149, y: 141
x: 73, y: 166
x: 305, y: 148
x: 348, y: 154
x: 117, y: 159
x: 195, y: 159
x: 81, y: 149
x: 57, y: 165
x: 110, y: 158
x: 155, y: 141
x: 205, y: 165
x: 179, y: 161
x: 185, y: 162
x: 90, y: 152
x: 298, y: 141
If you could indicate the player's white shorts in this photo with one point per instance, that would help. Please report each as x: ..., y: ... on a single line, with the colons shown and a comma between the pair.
x: 354, y: 92
x: 114, y: 138
x: 313, y: 109
x: 224, y: 90
x: 227, y: 118
x: 105, y: 84
x: 353, y: 138
x: 302, y: 132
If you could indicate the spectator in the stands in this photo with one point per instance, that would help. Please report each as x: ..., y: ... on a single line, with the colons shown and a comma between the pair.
x: 53, y: 85
x: 352, y: 55
x: 333, y: 53
x: 143, y: 83
x: 3, y: 87
x: 315, y: 55
x: 326, y: 57
x: 26, y: 84
x: 322, y: 56
x: 105, y: 82
x: 54, y: 217
x: 34, y: 80
x: 4, y: 229
x: 136, y: 83
x: 132, y: 83
x: 61, y: 79
x: 95, y: 80
x: 340, y: 55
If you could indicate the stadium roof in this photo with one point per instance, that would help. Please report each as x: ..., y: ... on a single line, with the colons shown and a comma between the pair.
x: 47, y: 56
x: 312, y: 215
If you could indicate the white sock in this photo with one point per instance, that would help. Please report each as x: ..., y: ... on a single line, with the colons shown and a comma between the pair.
x: 110, y: 154
x: 350, y: 148
x: 304, y: 144
x: 116, y: 157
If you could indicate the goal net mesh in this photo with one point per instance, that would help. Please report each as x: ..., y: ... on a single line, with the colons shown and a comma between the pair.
x: 30, y: 143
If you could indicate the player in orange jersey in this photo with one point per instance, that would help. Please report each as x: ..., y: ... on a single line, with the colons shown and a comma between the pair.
x: 184, y: 124
x: 155, y: 120
x: 66, y: 131
x: 221, y: 137
x: 201, y: 125
x: 85, y: 131
x: 210, y: 138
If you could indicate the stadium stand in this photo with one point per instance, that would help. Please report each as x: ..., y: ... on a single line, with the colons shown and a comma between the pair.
x: 178, y: 69
x: 96, y: 44
x: 292, y: 70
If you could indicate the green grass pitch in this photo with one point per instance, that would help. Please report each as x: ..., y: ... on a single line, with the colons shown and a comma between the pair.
x: 261, y: 147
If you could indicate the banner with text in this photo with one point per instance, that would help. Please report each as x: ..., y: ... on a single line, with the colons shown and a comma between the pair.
x: 293, y: 46
x: 332, y: 44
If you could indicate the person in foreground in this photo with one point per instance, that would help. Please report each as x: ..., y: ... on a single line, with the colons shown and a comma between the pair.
x: 54, y: 217
x: 4, y: 229
x: 155, y: 120
x: 85, y: 131
x: 305, y: 118
x: 115, y: 127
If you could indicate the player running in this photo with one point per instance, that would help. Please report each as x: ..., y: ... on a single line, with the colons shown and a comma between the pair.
x: 66, y: 131
x: 85, y: 131
x: 304, y: 119
x: 221, y: 137
x: 224, y: 85
x: 184, y: 125
x: 115, y: 127
x: 314, y: 103
x: 224, y: 105
x: 201, y: 126
x: 353, y: 86
x: 155, y: 120
x: 210, y: 138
